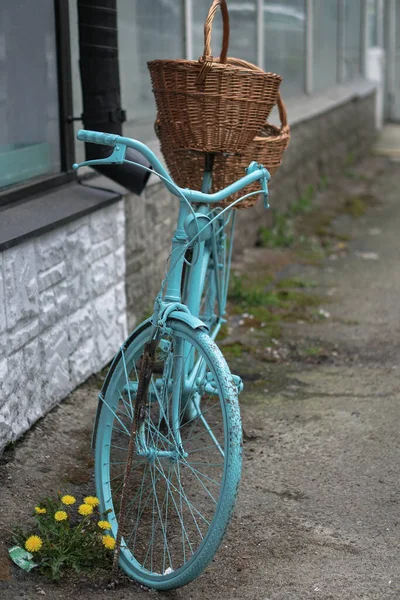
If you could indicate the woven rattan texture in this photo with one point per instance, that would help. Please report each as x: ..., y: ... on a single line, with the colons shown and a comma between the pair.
x: 267, y: 148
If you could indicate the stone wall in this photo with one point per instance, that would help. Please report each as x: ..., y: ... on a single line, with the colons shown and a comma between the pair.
x: 150, y: 223
x: 62, y: 314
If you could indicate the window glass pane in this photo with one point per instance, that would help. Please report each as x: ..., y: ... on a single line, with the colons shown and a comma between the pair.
x: 372, y: 8
x: 325, y: 34
x: 29, y: 124
x: 284, y: 43
x: 147, y: 30
x: 76, y: 78
x: 352, y: 39
x: 242, y: 24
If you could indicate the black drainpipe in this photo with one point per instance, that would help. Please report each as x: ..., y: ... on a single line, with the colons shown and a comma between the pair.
x: 98, y: 47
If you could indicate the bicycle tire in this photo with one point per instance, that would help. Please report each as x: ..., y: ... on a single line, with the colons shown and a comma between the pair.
x: 142, y: 567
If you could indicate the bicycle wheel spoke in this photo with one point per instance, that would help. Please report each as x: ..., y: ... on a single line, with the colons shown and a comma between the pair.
x: 129, y: 406
x: 189, y: 503
x: 115, y: 415
x: 189, y: 465
x: 177, y: 511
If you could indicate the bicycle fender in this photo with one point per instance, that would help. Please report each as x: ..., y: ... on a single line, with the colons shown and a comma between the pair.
x: 186, y: 317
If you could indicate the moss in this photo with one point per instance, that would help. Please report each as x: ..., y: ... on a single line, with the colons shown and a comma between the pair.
x: 280, y: 235
x: 295, y: 283
x: 223, y: 332
x: 304, y: 203
x: 313, y: 351
x: 287, y: 301
x: 323, y: 183
x: 310, y: 255
x: 355, y: 206
x: 298, y: 298
x: 349, y: 160
x: 249, y: 293
x: 234, y: 350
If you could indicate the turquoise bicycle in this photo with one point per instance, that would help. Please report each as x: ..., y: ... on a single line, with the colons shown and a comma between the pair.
x: 168, y: 434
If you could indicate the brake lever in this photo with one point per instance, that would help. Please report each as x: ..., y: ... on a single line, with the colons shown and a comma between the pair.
x: 117, y: 157
x: 254, y: 166
x: 264, y: 185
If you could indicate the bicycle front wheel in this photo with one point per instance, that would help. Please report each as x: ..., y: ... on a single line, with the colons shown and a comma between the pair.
x: 185, y: 474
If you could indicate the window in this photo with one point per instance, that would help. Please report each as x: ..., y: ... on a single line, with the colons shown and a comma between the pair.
x: 284, y: 43
x: 352, y: 39
x: 372, y: 12
x: 29, y: 103
x: 243, y: 29
x: 325, y: 37
x: 147, y: 30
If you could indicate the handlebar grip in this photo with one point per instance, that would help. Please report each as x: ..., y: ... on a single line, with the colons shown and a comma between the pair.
x: 97, y: 137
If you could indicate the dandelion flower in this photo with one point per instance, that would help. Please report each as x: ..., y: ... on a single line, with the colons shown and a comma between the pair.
x: 104, y: 525
x: 85, y: 510
x: 60, y: 515
x: 108, y: 542
x: 40, y: 511
x: 68, y: 500
x: 91, y: 501
x: 33, y: 543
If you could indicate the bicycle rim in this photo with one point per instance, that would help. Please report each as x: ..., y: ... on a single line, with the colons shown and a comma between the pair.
x: 181, y: 491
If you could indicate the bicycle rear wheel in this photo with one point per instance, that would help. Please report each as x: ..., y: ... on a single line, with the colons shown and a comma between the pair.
x: 185, y: 475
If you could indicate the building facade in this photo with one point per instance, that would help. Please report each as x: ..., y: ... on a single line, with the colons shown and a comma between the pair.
x: 80, y: 262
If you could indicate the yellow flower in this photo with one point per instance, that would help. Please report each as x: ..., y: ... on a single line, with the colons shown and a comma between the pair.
x: 108, y: 542
x: 104, y: 525
x: 68, y: 500
x: 33, y: 543
x: 91, y: 500
x: 60, y: 515
x: 85, y: 510
x: 40, y: 511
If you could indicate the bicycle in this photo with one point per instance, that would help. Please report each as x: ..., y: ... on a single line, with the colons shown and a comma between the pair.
x: 167, y: 434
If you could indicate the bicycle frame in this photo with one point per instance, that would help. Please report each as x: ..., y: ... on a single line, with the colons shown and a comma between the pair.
x: 184, y: 236
x: 202, y: 229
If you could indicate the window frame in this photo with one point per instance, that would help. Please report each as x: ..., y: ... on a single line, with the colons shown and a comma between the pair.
x: 44, y: 183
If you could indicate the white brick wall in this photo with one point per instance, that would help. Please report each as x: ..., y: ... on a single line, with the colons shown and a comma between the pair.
x: 62, y: 314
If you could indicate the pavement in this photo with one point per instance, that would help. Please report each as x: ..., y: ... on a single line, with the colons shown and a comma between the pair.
x: 318, y: 510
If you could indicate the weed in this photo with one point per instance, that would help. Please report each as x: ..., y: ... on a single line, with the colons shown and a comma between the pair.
x: 248, y: 294
x: 65, y: 537
x: 280, y: 235
x: 313, y: 351
x: 234, y: 350
x: 323, y: 183
x: 349, y: 160
x: 355, y: 206
x: 223, y: 332
x: 304, y: 204
x: 295, y: 282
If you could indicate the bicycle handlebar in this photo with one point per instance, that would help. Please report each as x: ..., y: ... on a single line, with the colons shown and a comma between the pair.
x: 255, y: 172
x: 97, y: 137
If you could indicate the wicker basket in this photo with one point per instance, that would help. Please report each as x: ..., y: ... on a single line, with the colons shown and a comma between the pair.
x: 210, y: 105
x: 267, y: 148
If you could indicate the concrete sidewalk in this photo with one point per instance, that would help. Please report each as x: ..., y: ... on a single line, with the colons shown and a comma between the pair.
x: 318, y: 511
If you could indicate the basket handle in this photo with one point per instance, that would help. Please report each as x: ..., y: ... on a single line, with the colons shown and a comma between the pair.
x: 282, y: 110
x: 207, y: 58
x: 239, y: 62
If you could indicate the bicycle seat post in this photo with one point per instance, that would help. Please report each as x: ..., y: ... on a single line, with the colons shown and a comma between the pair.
x: 206, y: 184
